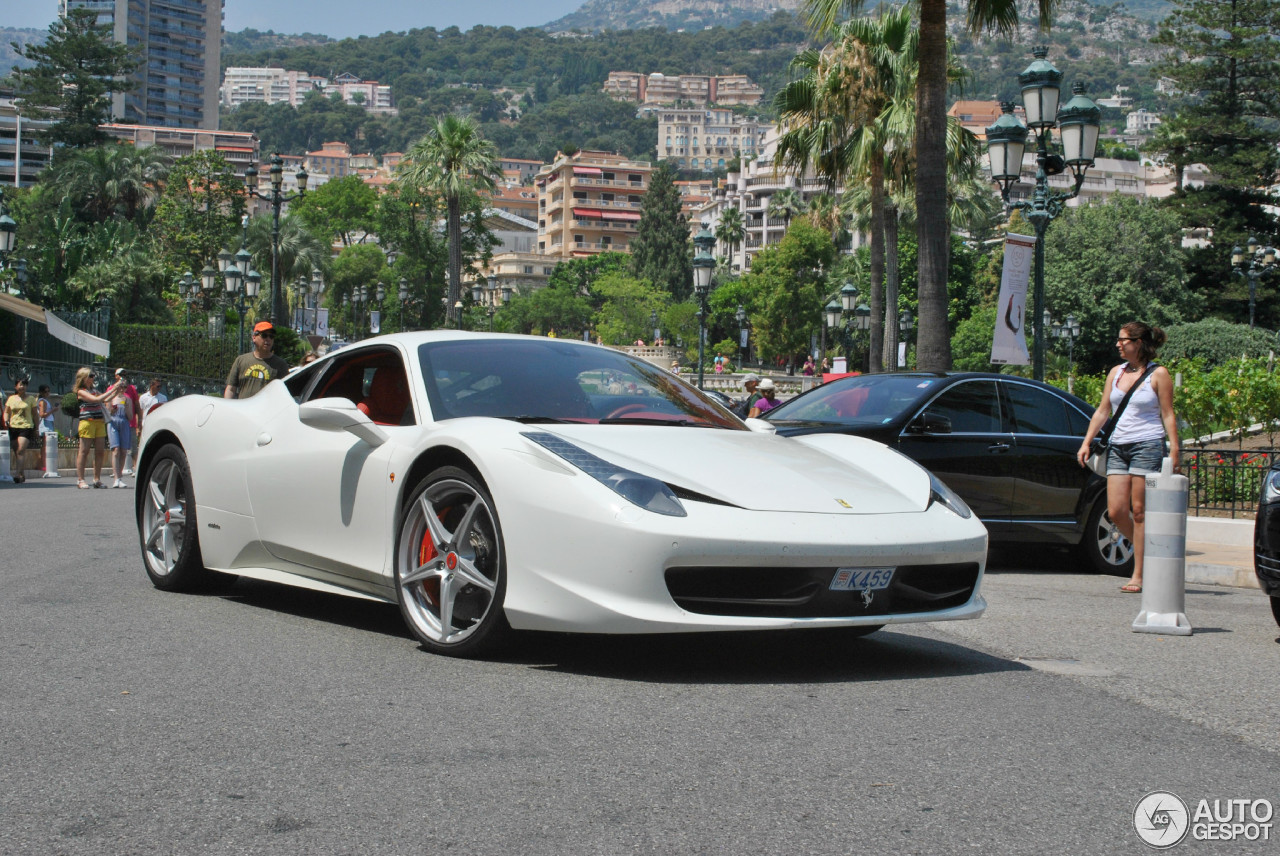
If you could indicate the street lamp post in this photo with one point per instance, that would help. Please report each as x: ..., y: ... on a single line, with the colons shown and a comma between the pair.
x: 1262, y: 261
x: 8, y: 232
x: 653, y: 325
x: 457, y: 310
x: 703, y: 266
x: 241, y: 282
x: 189, y: 294
x: 379, y: 295
x: 403, y: 293
x: 277, y: 199
x: 1079, y: 121
x: 1070, y: 331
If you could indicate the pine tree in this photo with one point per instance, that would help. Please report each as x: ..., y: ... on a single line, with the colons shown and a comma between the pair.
x: 76, y: 70
x: 661, y: 251
x: 1224, y: 59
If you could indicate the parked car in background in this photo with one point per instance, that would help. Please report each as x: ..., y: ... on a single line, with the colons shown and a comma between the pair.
x: 1266, y: 539
x: 1006, y: 444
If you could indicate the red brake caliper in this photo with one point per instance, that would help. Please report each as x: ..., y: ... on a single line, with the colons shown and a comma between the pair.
x: 426, y: 552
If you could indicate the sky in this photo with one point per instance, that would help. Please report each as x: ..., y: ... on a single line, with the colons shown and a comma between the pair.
x: 342, y: 19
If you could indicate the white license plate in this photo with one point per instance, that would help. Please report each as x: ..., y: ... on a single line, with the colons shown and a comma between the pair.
x: 861, y: 579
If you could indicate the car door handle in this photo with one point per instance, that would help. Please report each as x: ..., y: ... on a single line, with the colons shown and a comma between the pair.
x: 264, y: 438
x: 998, y: 447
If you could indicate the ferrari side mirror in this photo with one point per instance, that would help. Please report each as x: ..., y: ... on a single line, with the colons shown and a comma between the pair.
x: 341, y: 414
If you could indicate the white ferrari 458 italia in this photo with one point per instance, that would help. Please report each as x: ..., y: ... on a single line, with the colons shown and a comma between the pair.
x: 490, y: 483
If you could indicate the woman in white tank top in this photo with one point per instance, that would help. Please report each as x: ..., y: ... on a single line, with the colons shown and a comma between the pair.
x: 1137, y: 443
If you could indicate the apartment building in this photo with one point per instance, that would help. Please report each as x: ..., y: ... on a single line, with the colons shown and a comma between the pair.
x: 658, y: 88
x: 589, y: 202
x: 1107, y: 176
x: 374, y: 97
x: 518, y: 199
x: 514, y: 264
x: 524, y: 168
x: 698, y: 138
x: 22, y: 156
x: 180, y: 42
x: 240, y: 148
x: 332, y: 159
x: 240, y: 85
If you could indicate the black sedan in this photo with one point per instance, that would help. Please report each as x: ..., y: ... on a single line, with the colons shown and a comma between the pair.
x: 1006, y: 444
x: 1266, y: 539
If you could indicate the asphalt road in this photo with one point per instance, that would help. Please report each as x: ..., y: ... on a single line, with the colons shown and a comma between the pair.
x: 266, y: 720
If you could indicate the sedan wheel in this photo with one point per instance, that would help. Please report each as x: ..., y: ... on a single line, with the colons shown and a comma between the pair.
x: 167, y: 524
x: 1105, y: 548
x: 450, y: 566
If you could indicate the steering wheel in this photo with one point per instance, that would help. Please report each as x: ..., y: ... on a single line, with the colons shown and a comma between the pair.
x: 634, y: 407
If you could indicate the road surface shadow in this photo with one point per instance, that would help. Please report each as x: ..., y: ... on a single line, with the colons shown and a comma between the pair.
x: 772, y: 656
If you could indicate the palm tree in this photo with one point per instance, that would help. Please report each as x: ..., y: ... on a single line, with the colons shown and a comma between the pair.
x: 731, y: 231
x: 783, y: 205
x: 933, y: 349
x: 830, y: 113
x: 453, y: 161
x: 111, y: 180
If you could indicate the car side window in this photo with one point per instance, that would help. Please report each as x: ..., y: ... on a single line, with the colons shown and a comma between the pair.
x: 972, y: 407
x: 1036, y: 411
x: 374, y: 380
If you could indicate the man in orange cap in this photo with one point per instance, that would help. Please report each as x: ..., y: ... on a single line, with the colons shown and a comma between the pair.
x: 254, y: 370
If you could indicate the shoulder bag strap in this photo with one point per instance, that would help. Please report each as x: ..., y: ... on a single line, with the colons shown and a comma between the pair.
x: 1115, y: 417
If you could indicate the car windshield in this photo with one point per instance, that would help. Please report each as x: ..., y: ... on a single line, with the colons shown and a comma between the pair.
x: 545, y: 380
x: 863, y: 400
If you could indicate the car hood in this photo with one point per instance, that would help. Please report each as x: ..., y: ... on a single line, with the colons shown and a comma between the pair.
x: 822, y: 474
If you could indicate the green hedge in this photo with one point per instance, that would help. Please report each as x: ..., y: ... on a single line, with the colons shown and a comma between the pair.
x: 186, y: 350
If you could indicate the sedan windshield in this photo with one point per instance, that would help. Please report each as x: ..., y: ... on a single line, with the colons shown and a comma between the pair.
x: 540, y: 380
x: 863, y: 400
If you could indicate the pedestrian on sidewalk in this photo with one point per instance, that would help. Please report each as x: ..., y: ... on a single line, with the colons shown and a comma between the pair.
x: 1137, y: 442
x: 252, y: 371
x: 20, y: 416
x: 93, y: 424
x: 121, y: 416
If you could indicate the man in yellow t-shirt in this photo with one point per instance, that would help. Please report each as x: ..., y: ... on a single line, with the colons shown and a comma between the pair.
x: 254, y: 370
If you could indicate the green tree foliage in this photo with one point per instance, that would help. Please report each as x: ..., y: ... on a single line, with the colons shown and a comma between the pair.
x: 109, y: 181
x: 356, y: 265
x: 1224, y: 55
x: 1113, y: 263
x: 971, y: 344
x: 1215, y: 342
x: 579, y: 276
x: 626, y: 305
x: 661, y: 251
x: 338, y: 209
x: 547, y: 310
x: 198, y: 212
x: 76, y: 69
x: 789, y: 290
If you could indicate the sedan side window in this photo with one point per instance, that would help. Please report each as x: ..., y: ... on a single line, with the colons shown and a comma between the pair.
x: 1038, y: 412
x: 972, y: 407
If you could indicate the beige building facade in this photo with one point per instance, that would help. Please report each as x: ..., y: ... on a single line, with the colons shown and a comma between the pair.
x: 657, y: 88
x: 707, y: 139
x: 590, y: 202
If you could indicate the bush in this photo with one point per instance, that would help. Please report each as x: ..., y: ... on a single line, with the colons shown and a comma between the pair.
x: 1215, y: 342
x: 70, y: 405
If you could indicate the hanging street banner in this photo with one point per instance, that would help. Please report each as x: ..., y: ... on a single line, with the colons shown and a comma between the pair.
x: 1009, y: 344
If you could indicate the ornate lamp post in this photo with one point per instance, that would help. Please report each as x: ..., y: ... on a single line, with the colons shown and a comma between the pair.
x: 457, y: 310
x: 703, y: 266
x: 403, y: 293
x: 741, y: 317
x: 189, y: 293
x: 1070, y: 331
x: 489, y: 311
x: 379, y: 295
x: 241, y: 282
x: 1262, y: 261
x: 1079, y: 121
x: 8, y: 232
x: 653, y: 325
x: 277, y: 199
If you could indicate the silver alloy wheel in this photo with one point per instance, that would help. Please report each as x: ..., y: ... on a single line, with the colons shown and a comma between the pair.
x: 164, y: 517
x: 1115, y: 549
x: 449, y: 560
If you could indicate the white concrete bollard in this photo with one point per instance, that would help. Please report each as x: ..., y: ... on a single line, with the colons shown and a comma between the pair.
x: 5, y: 475
x: 1164, y: 567
x: 51, y: 455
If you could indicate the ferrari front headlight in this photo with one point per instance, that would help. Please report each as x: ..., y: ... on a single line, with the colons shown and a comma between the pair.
x: 943, y: 495
x: 644, y: 491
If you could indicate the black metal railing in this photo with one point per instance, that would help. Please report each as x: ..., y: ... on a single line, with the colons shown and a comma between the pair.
x: 1226, y: 482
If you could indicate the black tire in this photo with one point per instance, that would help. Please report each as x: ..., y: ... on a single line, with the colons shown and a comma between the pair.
x: 451, y: 568
x: 167, y: 529
x: 1103, y: 546
x: 1275, y: 607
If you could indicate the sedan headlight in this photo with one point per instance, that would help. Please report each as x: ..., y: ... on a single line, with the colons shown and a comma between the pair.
x: 943, y: 495
x: 648, y: 493
x: 1271, y: 487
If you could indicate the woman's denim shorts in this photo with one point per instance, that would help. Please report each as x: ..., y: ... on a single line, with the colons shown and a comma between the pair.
x: 1135, y: 459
